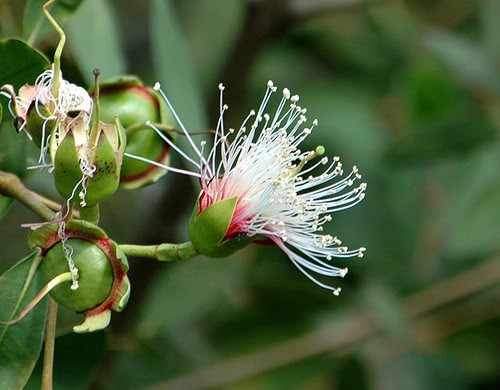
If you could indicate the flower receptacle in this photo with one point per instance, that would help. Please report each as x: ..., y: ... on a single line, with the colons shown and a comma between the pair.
x: 208, y: 229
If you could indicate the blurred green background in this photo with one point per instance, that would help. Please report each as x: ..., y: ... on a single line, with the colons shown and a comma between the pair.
x: 409, y: 91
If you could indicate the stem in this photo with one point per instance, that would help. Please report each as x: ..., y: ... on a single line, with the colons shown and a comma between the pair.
x: 11, y: 186
x: 90, y: 214
x: 54, y: 206
x: 162, y: 252
x: 64, y: 277
x: 59, y: 49
x: 94, y: 130
x: 48, y: 353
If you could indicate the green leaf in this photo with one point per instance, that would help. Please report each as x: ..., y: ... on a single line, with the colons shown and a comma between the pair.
x: 20, y: 343
x: 5, y: 204
x: 174, y: 69
x: 36, y: 25
x: 466, y: 59
x: 19, y: 63
x: 95, y: 40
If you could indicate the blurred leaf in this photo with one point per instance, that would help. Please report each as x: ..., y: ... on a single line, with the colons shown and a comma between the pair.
x: 5, y: 204
x: 36, y: 25
x: 468, y: 60
x: 428, y: 90
x: 217, y: 22
x: 312, y: 373
x: 457, y: 133
x: 434, y: 116
x: 95, y: 40
x: 174, y: 68
x: 413, y: 371
x: 20, y: 343
x: 472, y: 215
x: 348, y: 123
x: 490, y: 9
x: 186, y: 293
x: 383, y: 306
x: 475, y: 350
x: 77, y: 358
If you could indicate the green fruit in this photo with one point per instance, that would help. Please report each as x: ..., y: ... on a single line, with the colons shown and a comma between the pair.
x: 94, y: 271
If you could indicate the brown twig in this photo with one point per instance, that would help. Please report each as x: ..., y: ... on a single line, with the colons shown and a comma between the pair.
x: 11, y: 186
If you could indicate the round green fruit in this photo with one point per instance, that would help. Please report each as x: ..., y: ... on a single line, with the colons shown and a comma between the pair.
x: 94, y: 271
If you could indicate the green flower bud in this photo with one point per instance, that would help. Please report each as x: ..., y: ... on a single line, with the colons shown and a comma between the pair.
x: 129, y: 99
x: 135, y: 104
x: 75, y: 158
x: 102, y: 281
x: 209, y: 228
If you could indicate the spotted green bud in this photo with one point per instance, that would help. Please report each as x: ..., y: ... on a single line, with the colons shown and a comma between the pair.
x: 101, y: 267
x: 208, y: 229
x: 135, y: 104
x: 90, y: 172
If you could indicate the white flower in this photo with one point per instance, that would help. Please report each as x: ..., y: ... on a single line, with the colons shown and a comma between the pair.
x: 279, y: 197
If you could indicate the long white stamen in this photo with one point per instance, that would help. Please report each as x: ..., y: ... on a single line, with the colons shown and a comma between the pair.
x: 157, y: 87
x: 172, y: 145
x: 168, y: 168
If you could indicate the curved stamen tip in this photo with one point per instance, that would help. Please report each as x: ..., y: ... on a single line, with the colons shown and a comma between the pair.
x: 96, y: 72
x: 337, y: 291
x: 157, y: 86
x: 221, y: 87
x: 320, y: 150
x: 343, y: 272
x: 148, y: 123
x: 270, y: 84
